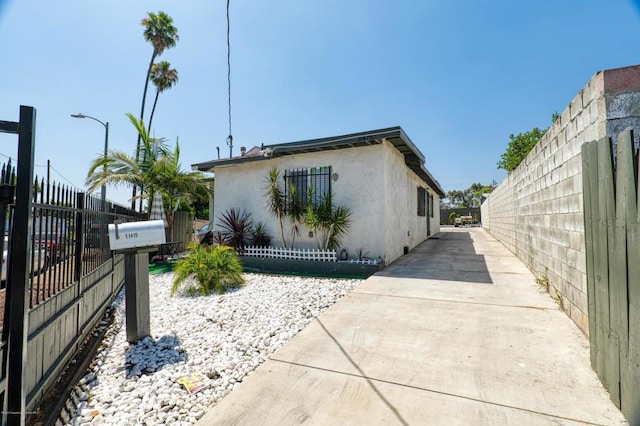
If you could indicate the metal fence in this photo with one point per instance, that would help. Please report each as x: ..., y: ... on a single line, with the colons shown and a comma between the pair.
x: 58, y: 274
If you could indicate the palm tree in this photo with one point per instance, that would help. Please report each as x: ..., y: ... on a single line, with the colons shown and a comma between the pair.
x: 296, y: 210
x: 157, y: 169
x: 176, y: 185
x: 276, y: 200
x: 160, y: 32
x: 328, y: 222
x: 163, y: 77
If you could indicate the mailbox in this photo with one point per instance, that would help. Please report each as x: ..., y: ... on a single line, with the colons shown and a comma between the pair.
x: 136, y: 235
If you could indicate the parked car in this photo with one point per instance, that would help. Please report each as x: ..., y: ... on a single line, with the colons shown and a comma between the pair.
x: 202, y: 231
x: 41, y: 259
x: 55, y: 237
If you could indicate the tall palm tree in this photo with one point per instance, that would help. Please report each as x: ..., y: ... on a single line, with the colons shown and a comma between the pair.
x: 163, y: 77
x: 160, y: 32
x: 157, y: 169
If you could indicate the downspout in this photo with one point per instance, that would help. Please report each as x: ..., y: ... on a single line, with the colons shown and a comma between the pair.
x: 212, y: 214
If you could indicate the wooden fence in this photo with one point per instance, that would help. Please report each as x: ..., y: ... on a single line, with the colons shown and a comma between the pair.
x: 182, y: 229
x: 612, y: 236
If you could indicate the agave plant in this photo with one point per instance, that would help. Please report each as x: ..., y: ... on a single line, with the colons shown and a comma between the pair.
x: 236, y: 227
x: 214, y: 269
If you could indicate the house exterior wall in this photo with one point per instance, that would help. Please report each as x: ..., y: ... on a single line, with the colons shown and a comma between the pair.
x: 403, y: 226
x: 366, y: 183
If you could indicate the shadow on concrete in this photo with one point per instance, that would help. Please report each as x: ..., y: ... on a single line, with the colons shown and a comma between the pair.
x: 448, y: 256
x: 393, y: 409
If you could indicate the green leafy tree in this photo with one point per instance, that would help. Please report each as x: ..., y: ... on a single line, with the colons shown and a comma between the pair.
x: 519, y: 146
x: 214, y: 268
x: 452, y: 218
x: 470, y: 196
x: 199, y: 206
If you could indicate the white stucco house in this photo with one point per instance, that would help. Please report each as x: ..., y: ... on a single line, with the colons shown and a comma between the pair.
x: 380, y: 175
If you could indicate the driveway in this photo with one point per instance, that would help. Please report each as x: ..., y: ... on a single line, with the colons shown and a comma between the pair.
x: 456, y: 332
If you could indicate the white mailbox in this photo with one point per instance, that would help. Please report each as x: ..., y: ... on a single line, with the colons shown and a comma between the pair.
x: 136, y: 235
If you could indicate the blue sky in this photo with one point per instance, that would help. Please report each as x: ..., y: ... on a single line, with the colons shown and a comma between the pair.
x: 458, y: 76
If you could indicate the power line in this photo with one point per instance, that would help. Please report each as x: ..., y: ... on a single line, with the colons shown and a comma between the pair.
x: 60, y: 174
x: 230, y: 137
x: 44, y: 166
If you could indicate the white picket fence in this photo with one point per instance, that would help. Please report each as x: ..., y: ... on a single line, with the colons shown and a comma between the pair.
x: 296, y: 254
x: 363, y: 261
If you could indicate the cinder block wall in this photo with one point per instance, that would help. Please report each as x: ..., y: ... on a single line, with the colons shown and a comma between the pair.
x: 537, y: 211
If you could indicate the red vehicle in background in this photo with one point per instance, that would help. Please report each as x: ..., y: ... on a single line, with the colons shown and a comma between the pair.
x: 53, y: 235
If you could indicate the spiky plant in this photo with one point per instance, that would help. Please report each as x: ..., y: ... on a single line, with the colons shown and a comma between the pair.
x: 214, y: 269
x: 296, y: 209
x: 237, y: 227
x: 276, y: 200
x: 260, y: 236
x: 329, y: 223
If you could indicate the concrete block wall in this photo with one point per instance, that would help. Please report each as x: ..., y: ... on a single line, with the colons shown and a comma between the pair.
x: 537, y: 211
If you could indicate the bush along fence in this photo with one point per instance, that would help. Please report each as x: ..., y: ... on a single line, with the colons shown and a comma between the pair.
x: 612, y: 237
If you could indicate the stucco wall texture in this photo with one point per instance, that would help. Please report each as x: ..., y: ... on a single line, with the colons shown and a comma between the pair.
x: 537, y: 211
x: 373, y: 181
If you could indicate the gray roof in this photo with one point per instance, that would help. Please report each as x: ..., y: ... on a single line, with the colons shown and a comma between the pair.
x: 394, y: 135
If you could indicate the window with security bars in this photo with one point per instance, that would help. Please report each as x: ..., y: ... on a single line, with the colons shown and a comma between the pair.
x: 310, y: 185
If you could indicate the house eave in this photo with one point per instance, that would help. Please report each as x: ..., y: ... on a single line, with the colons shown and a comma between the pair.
x: 414, y: 159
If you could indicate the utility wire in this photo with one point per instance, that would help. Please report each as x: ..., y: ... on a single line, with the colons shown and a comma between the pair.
x: 60, y: 174
x: 230, y: 138
x: 45, y: 166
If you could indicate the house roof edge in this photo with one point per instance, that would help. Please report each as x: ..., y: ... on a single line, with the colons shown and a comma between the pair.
x: 414, y: 159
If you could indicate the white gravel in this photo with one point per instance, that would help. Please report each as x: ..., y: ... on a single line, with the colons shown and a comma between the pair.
x: 224, y: 337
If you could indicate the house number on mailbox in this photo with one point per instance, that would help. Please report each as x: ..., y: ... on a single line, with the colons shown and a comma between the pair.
x: 132, y: 235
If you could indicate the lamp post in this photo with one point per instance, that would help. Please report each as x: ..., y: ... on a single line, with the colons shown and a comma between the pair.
x: 103, y: 189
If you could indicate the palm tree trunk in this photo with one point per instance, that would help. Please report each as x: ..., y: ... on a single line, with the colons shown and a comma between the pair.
x: 153, y: 110
x: 284, y: 242
x: 144, y: 100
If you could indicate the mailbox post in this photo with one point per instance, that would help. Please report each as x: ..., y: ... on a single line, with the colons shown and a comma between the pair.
x: 136, y: 240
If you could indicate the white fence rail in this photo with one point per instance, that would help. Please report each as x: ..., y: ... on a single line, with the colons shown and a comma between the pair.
x: 296, y: 254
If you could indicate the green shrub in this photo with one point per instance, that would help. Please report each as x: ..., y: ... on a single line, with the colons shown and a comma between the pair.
x: 214, y: 269
x: 260, y: 236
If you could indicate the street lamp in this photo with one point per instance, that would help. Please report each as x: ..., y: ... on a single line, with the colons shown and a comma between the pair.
x: 103, y: 189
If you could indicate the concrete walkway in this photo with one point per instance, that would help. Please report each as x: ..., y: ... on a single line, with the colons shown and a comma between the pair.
x: 455, y: 333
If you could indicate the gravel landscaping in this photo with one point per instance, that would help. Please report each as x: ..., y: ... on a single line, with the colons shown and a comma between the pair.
x: 222, y: 338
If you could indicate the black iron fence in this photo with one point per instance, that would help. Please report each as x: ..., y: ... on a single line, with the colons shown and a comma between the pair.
x: 58, y: 274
